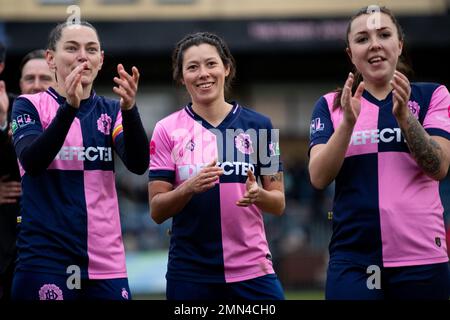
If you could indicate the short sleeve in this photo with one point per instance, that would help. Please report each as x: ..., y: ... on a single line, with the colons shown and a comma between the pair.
x: 25, y: 120
x: 321, y: 126
x: 162, y: 164
x: 437, y: 118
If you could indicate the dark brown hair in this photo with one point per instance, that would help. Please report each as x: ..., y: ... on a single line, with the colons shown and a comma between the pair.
x: 403, y: 64
x: 35, y: 54
x: 56, y: 33
x: 196, y: 39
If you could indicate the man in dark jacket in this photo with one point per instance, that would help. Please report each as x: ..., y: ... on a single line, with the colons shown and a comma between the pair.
x: 9, y: 189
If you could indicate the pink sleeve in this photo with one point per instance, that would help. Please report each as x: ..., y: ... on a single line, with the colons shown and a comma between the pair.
x: 161, y: 147
x: 438, y: 115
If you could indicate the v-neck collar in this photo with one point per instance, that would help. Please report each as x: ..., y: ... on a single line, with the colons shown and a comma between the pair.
x: 85, y: 104
x: 380, y: 103
x: 225, y: 122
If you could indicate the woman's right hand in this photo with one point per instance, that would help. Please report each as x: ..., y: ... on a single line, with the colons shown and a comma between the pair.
x: 351, y: 105
x: 205, y: 179
x: 74, y: 89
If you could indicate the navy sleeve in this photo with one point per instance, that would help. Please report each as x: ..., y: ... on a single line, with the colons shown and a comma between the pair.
x: 161, y: 175
x: 25, y: 120
x: 35, y: 147
x: 132, y: 144
x: 321, y: 127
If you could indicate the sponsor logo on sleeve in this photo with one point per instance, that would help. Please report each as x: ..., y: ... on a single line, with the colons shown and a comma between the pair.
x: 23, y: 121
x: 152, y: 147
x: 316, y: 126
x: 14, y: 126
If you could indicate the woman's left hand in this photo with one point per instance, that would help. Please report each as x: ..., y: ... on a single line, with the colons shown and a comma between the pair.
x: 252, y: 194
x: 127, y: 87
x: 400, y: 95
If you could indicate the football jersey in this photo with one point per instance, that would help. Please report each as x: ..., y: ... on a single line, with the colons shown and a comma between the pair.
x: 70, y: 213
x: 386, y: 209
x: 213, y: 239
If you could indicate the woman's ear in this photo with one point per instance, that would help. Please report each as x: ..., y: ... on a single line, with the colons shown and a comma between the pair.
x: 227, y: 70
x: 102, y: 60
x: 349, y: 53
x: 50, y: 58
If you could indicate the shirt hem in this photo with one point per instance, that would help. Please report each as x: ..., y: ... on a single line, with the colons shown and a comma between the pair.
x: 232, y: 279
x: 103, y: 276
x: 417, y: 262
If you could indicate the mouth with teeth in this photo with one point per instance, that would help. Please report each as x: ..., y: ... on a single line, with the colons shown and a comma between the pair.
x: 205, y: 85
x: 376, y: 60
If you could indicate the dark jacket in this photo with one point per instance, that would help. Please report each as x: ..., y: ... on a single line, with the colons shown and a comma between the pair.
x: 8, y: 212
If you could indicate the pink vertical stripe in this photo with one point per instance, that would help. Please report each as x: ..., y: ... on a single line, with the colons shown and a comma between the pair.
x: 243, y: 237
x: 362, y: 141
x: 105, y: 247
x: 68, y: 157
x: 410, y: 213
x: 47, y: 108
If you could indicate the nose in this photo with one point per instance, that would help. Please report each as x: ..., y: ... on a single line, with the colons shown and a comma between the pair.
x: 375, y: 44
x: 38, y: 86
x: 82, y: 55
x: 203, y: 72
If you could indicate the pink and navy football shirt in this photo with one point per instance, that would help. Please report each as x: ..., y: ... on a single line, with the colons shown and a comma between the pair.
x: 213, y: 239
x: 70, y: 213
x: 386, y: 209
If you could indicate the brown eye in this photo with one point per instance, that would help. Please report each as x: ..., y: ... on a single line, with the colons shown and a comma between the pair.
x: 361, y: 39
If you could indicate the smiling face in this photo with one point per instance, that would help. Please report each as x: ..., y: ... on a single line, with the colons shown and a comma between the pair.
x: 36, y: 76
x: 374, y: 52
x: 78, y: 44
x: 204, y: 74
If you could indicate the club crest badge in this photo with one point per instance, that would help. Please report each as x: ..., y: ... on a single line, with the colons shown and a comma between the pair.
x: 50, y: 292
x: 104, y: 124
x: 244, y: 143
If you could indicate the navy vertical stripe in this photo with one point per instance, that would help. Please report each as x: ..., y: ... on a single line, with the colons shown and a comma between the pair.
x: 55, y: 224
x: 196, y: 240
x: 356, y: 219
